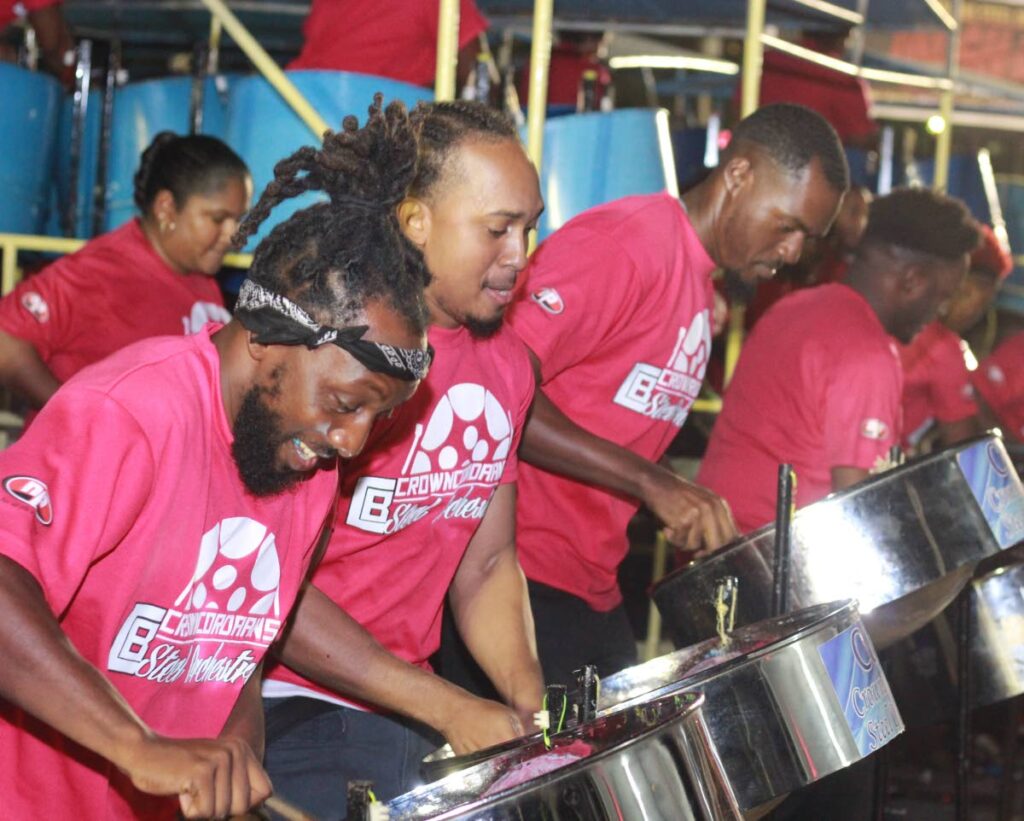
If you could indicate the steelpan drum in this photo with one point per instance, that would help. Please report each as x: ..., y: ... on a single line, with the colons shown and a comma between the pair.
x: 923, y: 667
x: 28, y: 131
x: 789, y: 700
x: 648, y: 761
x: 903, y: 544
x: 597, y: 157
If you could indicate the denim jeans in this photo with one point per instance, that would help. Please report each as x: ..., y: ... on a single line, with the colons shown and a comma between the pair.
x: 314, y: 748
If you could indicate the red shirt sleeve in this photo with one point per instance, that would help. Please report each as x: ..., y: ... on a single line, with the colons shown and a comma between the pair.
x: 77, y: 498
x: 999, y: 380
x: 863, y: 409
x: 526, y: 380
x: 40, y: 309
x: 951, y: 388
x: 580, y: 288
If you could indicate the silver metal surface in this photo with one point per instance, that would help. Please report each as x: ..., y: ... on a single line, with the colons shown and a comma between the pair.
x: 922, y: 669
x: 903, y: 544
x: 773, y: 714
x: 649, y: 762
x: 772, y: 709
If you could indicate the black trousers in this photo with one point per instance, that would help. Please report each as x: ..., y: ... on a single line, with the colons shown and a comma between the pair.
x: 569, y: 635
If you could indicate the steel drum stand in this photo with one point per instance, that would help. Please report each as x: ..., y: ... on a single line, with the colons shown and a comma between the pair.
x: 963, y: 724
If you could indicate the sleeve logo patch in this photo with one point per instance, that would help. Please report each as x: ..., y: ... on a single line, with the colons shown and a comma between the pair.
x: 874, y: 429
x: 33, y: 493
x: 36, y: 305
x: 549, y: 299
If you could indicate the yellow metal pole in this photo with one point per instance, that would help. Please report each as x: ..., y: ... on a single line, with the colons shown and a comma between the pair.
x: 9, y: 273
x: 267, y: 67
x: 944, y: 139
x: 540, y: 61
x: 753, y: 51
x: 447, y: 50
x: 213, y: 58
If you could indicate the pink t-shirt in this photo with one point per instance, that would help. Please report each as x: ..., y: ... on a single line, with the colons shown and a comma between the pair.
x: 412, y: 503
x: 114, y: 291
x: 999, y: 380
x: 936, y: 382
x: 616, y: 309
x: 396, y: 39
x: 124, y: 502
x: 818, y: 385
x: 8, y: 9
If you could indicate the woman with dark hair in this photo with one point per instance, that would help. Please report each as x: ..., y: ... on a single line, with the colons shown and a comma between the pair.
x: 150, y: 277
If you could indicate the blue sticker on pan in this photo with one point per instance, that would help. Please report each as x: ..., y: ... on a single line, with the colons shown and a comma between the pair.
x: 862, y: 689
x: 995, y: 485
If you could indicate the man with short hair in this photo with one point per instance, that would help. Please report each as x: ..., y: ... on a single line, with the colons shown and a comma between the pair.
x: 819, y: 384
x: 617, y: 319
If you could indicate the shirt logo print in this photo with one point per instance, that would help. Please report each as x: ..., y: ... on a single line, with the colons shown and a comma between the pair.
x: 222, y: 621
x: 452, y: 467
x: 33, y: 493
x: 667, y: 393
x: 549, y: 299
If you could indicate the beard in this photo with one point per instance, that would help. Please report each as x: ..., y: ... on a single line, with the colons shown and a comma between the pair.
x: 483, y: 328
x: 258, y: 438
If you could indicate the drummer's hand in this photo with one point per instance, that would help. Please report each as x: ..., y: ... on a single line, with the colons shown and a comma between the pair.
x: 213, y: 778
x: 476, y: 723
x: 695, y: 518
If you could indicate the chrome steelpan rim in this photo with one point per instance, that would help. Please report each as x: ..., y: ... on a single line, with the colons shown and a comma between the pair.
x: 440, y: 764
x: 903, y: 543
x: 687, y: 709
x: 826, y: 615
x: 890, y: 475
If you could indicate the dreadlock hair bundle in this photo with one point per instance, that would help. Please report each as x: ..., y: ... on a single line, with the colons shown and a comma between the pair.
x: 335, y: 256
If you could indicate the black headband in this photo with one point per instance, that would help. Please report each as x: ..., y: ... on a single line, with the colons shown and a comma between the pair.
x: 276, y: 320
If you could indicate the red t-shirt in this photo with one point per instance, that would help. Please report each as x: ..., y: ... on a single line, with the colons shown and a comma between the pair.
x: 839, y: 98
x: 564, y: 75
x: 8, y: 9
x: 818, y: 385
x: 124, y: 502
x: 936, y: 381
x: 999, y: 380
x: 412, y: 503
x: 397, y: 38
x: 112, y: 292
x: 617, y: 312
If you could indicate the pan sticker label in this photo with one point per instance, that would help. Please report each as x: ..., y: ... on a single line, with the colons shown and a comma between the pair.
x: 862, y: 689
x: 997, y: 489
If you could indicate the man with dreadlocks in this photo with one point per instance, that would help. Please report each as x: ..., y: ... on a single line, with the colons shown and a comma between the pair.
x: 160, y: 515
x: 429, y: 510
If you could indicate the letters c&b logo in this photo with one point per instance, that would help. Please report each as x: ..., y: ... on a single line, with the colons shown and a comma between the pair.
x: 33, y: 493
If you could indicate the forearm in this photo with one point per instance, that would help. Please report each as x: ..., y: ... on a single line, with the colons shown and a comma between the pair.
x: 492, y: 612
x: 845, y: 476
x: 24, y: 372
x: 554, y: 442
x: 326, y: 645
x: 46, y: 676
x: 54, y: 38
x: 246, y: 719
x: 952, y: 432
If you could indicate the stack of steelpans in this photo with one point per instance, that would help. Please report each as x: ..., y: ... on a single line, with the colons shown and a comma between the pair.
x: 788, y: 700
x: 650, y: 761
x: 903, y: 543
